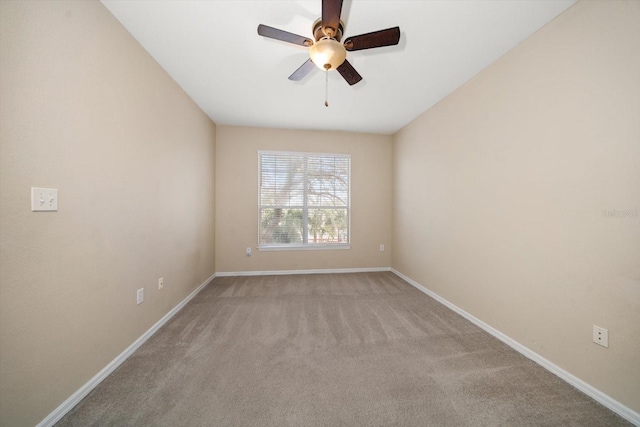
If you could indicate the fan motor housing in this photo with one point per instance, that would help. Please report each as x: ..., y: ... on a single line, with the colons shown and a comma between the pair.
x: 318, y: 33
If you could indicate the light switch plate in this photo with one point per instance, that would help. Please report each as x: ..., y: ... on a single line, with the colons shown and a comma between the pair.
x: 44, y: 199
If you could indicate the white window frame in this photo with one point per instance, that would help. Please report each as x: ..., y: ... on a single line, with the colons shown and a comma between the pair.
x: 305, y: 208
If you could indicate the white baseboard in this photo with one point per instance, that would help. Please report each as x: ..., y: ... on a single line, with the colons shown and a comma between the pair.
x: 617, y: 407
x: 316, y: 271
x: 76, y: 397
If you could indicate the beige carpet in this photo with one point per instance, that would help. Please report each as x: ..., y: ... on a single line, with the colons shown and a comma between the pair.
x: 329, y: 350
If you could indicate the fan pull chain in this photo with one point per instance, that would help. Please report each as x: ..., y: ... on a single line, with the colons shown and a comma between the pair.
x: 326, y: 88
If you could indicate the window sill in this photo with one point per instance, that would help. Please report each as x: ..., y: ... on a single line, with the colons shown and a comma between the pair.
x: 305, y: 247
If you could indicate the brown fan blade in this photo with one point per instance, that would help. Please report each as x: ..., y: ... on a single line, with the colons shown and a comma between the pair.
x: 302, y: 71
x: 274, y: 33
x: 387, y: 37
x: 349, y: 73
x: 331, y: 10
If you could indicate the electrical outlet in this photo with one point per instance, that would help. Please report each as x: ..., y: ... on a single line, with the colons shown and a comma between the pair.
x: 381, y: 248
x: 140, y: 296
x: 600, y: 336
x: 248, y: 251
x: 161, y: 283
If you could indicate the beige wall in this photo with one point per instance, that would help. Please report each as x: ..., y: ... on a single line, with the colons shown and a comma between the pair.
x: 499, y: 193
x: 498, y: 197
x: 237, y: 198
x: 86, y: 110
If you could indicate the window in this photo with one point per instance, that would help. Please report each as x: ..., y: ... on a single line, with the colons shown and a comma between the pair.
x: 303, y: 200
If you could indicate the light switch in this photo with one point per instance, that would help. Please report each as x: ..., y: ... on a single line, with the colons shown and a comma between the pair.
x: 44, y: 199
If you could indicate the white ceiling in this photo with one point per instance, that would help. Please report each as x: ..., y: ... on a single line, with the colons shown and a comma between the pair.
x: 212, y: 49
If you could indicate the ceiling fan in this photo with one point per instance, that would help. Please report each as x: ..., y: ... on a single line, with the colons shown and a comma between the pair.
x: 326, y: 50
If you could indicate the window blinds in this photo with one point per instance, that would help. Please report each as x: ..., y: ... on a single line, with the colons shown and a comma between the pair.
x: 303, y: 199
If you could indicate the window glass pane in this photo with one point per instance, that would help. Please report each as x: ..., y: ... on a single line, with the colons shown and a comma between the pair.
x: 328, y: 181
x: 328, y: 226
x: 281, y: 180
x: 281, y: 226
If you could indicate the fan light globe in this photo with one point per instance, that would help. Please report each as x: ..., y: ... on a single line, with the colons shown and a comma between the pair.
x: 327, y: 54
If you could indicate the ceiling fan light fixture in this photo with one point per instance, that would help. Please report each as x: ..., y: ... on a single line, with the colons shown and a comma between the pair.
x: 327, y: 53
